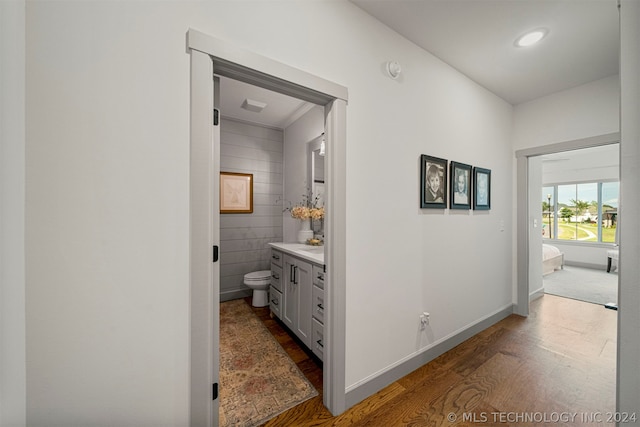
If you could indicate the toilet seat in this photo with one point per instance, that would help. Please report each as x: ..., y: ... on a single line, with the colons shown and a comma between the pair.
x: 257, y: 276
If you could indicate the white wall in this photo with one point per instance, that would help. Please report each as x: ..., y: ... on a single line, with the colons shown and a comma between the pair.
x: 581, y: 112
x: 107, y: 242
x: 244, y: 238
x: 12, y: 194
x: 107, y: 200
x: 297, y: 137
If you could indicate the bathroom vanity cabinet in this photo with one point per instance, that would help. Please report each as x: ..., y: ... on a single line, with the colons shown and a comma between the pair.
x: 296, y: 296
x: 317, y: 312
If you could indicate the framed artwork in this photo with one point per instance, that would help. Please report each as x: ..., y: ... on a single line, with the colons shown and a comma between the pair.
x: 481, y: 189
x: 433, y: 182
x: 460, y: 186
x: 236, y: 192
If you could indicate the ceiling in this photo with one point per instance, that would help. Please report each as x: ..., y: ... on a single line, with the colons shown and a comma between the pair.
x: 477, y: 37
x: 280, y: 111
x: 601, y: 157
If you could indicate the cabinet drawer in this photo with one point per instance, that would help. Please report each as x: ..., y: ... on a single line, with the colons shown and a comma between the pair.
x: 317, y: 343
x: 275, y: 301
x: 276, y: 258
x: 318, y: 276
x: 276, y: 277
x: 317, y: 307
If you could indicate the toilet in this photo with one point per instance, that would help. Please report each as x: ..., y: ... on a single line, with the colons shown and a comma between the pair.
x: 259, y: 281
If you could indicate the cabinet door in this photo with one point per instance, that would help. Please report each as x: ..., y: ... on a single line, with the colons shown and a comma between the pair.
x: 304, y: 283
x: 317, y: 342
x: 289, y: 294
x: 317, y: 304
x: 275, y: 302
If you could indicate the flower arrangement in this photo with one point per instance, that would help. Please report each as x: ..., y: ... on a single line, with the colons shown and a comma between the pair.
x: 307, y: 208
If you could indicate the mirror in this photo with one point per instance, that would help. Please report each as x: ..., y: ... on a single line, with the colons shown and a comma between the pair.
x: 315, y: 177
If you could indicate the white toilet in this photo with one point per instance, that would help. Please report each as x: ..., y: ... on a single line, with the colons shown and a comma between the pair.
x: 259, y: 281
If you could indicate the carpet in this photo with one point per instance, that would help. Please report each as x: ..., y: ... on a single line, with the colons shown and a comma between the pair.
x: 258, y: 380
x: 584, y: 284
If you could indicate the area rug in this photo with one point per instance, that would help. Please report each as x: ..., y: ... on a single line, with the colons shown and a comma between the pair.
x: 258, y: 380
x: 584, y: 284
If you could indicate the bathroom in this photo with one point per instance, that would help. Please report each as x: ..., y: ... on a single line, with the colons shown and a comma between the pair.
x: 272, y: 137
x: 273, y: 146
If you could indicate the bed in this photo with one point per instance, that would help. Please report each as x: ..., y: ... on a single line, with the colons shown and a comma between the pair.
x: 552, y: 259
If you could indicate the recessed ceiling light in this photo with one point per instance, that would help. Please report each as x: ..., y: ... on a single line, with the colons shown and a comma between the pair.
x: 531, y: 38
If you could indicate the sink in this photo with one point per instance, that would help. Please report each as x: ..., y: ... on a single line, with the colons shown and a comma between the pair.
x: 315, y: 250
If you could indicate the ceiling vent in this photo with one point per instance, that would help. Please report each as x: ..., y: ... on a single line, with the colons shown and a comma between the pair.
x: 252, y: 105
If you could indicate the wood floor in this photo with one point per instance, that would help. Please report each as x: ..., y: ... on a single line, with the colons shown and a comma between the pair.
x: 557, y: 365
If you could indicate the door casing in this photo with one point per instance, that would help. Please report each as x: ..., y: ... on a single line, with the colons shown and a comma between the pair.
x: 523, y: 224
x: 208, y: 56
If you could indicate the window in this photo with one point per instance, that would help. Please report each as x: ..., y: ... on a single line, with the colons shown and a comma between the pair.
x: 586, y: 212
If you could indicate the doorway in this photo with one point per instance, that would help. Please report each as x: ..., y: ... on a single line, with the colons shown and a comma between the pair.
x: 530, y: 221
x: 263, y: 134
x: 208, y: 56
x: 585, y: 325
x: 529, y: 257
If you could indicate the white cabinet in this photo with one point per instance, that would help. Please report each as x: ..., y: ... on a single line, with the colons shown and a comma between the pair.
x: 296, y: 310
x: 297, y: 297
x: 317, y: 312
x: 275, y: 292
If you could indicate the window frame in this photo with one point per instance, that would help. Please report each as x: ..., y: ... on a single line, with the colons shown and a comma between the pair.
x: 554, y: 197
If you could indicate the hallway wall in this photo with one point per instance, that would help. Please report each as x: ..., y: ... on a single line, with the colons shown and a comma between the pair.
x: 107, y: 247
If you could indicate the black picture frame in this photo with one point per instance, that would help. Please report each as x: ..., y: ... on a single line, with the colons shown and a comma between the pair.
x: 433, y: 171
x: 481, y: 189
x: 461, y: 186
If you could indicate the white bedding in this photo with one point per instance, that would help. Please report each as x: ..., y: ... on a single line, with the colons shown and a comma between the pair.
x: 549, y: 251
x: 552, y: 258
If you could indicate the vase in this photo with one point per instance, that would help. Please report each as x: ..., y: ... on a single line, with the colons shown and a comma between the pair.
x: 305, y: 232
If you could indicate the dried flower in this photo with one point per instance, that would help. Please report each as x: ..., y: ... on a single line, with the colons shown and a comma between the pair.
x: 300, y: 212
x: 317, y: 213
x: 307, y: 208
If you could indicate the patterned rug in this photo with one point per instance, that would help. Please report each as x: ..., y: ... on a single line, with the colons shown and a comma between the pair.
x: 258, y: 380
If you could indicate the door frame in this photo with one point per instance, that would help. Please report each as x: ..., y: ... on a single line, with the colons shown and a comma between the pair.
x: 210, y: 55
x: 523, y: 224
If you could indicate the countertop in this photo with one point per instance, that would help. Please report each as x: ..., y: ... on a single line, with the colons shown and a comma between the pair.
x: 314, y: 254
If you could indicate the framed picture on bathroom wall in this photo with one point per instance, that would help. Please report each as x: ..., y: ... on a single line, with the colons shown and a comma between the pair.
x: 460, y: 186
x: 236, y: 192
x: 433, y: 182
x: 481, y: 189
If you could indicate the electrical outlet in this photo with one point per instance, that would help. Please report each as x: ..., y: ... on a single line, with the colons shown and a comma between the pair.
x: 424, y: 320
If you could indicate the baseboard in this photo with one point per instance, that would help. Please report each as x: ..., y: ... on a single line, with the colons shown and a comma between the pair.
x: 586, y: 265
x: 235, y: 294
x: 361, y: 392
x: 536, y: 294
